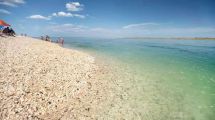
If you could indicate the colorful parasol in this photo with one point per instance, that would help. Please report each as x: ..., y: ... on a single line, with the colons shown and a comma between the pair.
x: 3, y: 23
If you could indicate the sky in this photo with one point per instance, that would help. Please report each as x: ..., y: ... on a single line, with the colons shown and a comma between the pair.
x: 111, y: 18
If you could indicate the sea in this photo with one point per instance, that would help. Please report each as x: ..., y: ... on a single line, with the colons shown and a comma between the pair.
x: 162, y: 79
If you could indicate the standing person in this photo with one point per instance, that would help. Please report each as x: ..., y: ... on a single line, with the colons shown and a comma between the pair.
x: 6, y: 31
x: 42, y: 38
x: 61, y: 40
x: 48, y: 38
x: 58, y: 40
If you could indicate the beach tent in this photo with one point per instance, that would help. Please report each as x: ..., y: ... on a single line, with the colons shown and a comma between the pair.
x: 3, y: 23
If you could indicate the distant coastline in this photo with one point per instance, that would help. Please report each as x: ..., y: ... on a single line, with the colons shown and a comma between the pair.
x: 178, y: 38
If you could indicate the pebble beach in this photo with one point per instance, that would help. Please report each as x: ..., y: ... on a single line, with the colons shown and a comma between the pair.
x: 42, y: 80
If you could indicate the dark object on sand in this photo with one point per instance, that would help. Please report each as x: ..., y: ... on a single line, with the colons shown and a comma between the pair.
x: 47, y: 38
x: 12, y: 32
x: 6, y: 30
x: 9, y: 31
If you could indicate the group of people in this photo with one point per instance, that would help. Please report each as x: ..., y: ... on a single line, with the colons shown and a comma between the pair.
x: 60, y: 40
x: 22, y: 34
x: 8, y: 31
x: 46, y: 38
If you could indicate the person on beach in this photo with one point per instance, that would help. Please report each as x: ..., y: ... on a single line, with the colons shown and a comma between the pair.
x: 47, y: 38
x: 6, y: 31
x: 9, y: 31
x: 57, y: 41
x: 42, y: 38
x: 12, y: 32
x: 61, y: 41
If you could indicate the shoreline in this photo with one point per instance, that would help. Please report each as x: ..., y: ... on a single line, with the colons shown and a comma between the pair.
x: 85, y: 84
x: 42, y: 80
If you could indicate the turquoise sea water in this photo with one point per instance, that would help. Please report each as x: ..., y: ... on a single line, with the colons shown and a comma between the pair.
x: 164, y: 79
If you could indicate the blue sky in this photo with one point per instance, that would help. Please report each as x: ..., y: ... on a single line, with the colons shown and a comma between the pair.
x: 111, y: 18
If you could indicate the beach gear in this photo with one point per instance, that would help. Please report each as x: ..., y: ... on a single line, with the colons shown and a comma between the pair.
x: 3, y: 23
x: 1, y: 27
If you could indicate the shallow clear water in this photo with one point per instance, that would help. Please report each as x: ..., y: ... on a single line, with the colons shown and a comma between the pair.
x: 170, y: 79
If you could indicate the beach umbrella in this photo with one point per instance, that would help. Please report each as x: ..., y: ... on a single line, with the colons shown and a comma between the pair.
x: 3, y: 23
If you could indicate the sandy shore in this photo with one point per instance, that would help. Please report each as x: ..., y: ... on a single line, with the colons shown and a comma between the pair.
x: 41, y: 80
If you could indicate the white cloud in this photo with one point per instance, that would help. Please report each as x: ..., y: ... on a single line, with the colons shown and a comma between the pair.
x: 39, y: 17
x: 74, y: 6
x: 161, y: 30
x: 80, y: 30
x: 4, y: 11
x: 67, y: 28
x: 78, y: 15
x: 12, y: 3
x: 64, y: 14
x: 140, y: 25
x: 165, y: 30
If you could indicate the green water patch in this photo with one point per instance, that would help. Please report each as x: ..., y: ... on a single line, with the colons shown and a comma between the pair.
x: 159, y: 80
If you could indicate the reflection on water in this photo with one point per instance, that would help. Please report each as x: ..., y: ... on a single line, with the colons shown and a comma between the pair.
x: 161, y: 79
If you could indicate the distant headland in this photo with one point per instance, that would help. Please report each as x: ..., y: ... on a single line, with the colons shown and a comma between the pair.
x: 178, y: 38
